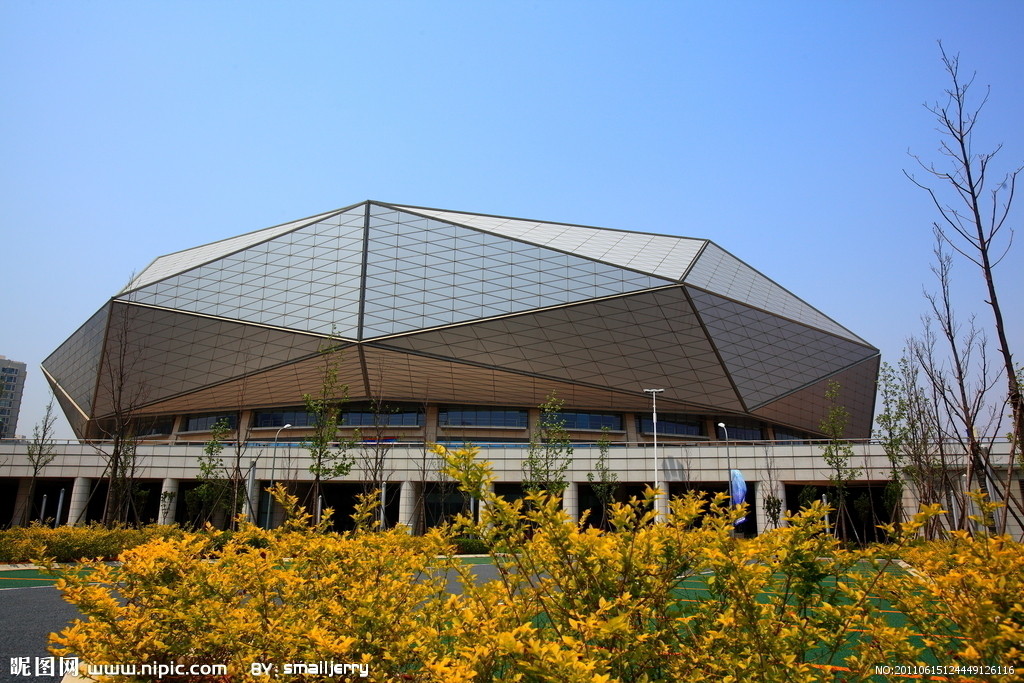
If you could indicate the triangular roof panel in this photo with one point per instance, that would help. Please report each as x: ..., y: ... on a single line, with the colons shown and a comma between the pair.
x: 180, y: 261
x: 660, y: 255
x: 422, y: 273
x: 720, y: 272
x: 307, y: 279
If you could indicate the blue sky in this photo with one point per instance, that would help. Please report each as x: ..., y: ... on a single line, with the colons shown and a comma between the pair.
x: 778, y: 130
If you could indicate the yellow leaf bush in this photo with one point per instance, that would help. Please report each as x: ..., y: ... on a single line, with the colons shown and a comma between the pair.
x: 72, y: 543
x: 682, y: 600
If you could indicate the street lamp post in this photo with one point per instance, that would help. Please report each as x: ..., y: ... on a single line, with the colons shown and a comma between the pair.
x: 728, y: 462
x: 654, y: 418
x: 273, y: 475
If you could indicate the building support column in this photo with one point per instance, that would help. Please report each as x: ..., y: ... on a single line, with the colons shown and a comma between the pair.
x: 571, y: 500
x: 430, y: 423
x: 252, y: 492
x: 168, y: 500
x: 408, y: 495
x: 661, y: 501
x: 22, y: 503
x: 632, y: 433
x: 80, y: 491
x: 759, y: 506
x: 481, y: 504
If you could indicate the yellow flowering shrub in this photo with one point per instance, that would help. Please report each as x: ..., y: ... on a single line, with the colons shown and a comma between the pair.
x: 292, y: 595
x: 686, y: 600
x: 965, y: 595
x: 72, y: 543
x: 678, y: 600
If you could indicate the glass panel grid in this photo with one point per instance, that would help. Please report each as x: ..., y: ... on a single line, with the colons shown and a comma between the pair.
x: 669, y: 424
x: 574, y: 419
x: 424, y: 273
x: 307, y: 279
x: 204, y: 423
x: 664, y: 256
x: 467, y: 416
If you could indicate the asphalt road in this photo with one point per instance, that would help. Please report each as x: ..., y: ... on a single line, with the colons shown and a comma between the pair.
x: 27, y: 616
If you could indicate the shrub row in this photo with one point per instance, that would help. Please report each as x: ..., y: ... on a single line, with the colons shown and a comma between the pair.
x: 96, y: 542
x: 680, y: 599
x: 72, y: 543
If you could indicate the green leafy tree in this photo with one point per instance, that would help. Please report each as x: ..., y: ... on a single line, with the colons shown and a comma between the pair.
x: 892, y: 432
x: 607, y: 480
x: 550, y: 452
x: 837, y: 452
x: 212, y: 495
x: 772, y: 500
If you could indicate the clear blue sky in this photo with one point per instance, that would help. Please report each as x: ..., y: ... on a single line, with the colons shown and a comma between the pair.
x: 777, y: 129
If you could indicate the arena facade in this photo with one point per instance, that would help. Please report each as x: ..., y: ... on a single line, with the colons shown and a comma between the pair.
x: 454, y: 327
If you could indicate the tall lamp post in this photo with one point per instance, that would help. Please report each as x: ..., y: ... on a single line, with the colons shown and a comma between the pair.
x: 728, y: 462
x: 273, y: 475
x: 728, y: 469
x: 654, y: 418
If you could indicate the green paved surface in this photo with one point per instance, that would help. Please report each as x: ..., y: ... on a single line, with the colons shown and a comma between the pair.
x: 24, y: 578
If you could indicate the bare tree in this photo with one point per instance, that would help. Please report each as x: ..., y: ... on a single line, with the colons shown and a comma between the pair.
x: 374, y: 448
x: 973, y: 217
x: 329, y: 457
x: 237, y: 475
x: 121, y: 387
x: 436, y: 483
x: 962, y: 382
x: 40, y: 454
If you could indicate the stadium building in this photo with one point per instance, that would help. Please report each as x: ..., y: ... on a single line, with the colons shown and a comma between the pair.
x: 453, y: 327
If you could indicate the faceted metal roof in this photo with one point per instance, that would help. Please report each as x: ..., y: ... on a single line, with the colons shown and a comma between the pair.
x: 448, y: 306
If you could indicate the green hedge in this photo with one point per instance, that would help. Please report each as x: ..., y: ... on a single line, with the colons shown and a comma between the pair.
x: 465, y: 545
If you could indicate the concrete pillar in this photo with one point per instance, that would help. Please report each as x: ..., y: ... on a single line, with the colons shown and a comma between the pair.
x: 757, y: 504
x: 533, y: 420
x: 661, y: 502
x: 632, y: 433
x: 408, y: 495
x: 483, y: 504
x: 79, y: 500
x: 179, y: 424
x: 21, y: 502
x: 430, y: 423
x: 252, y: 492
x: 571, y: 500
x: 244, y: 423
x: 168, y: 500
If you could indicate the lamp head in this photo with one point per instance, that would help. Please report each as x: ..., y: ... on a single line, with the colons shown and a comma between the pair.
x: 286, y: 426
x: 722, y: 425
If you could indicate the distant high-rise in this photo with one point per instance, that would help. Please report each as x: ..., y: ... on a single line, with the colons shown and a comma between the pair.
x: 12, y: 385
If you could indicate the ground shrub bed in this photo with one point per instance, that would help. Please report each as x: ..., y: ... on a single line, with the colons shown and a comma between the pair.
x: 680, y: 599
x: 72, y: 543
